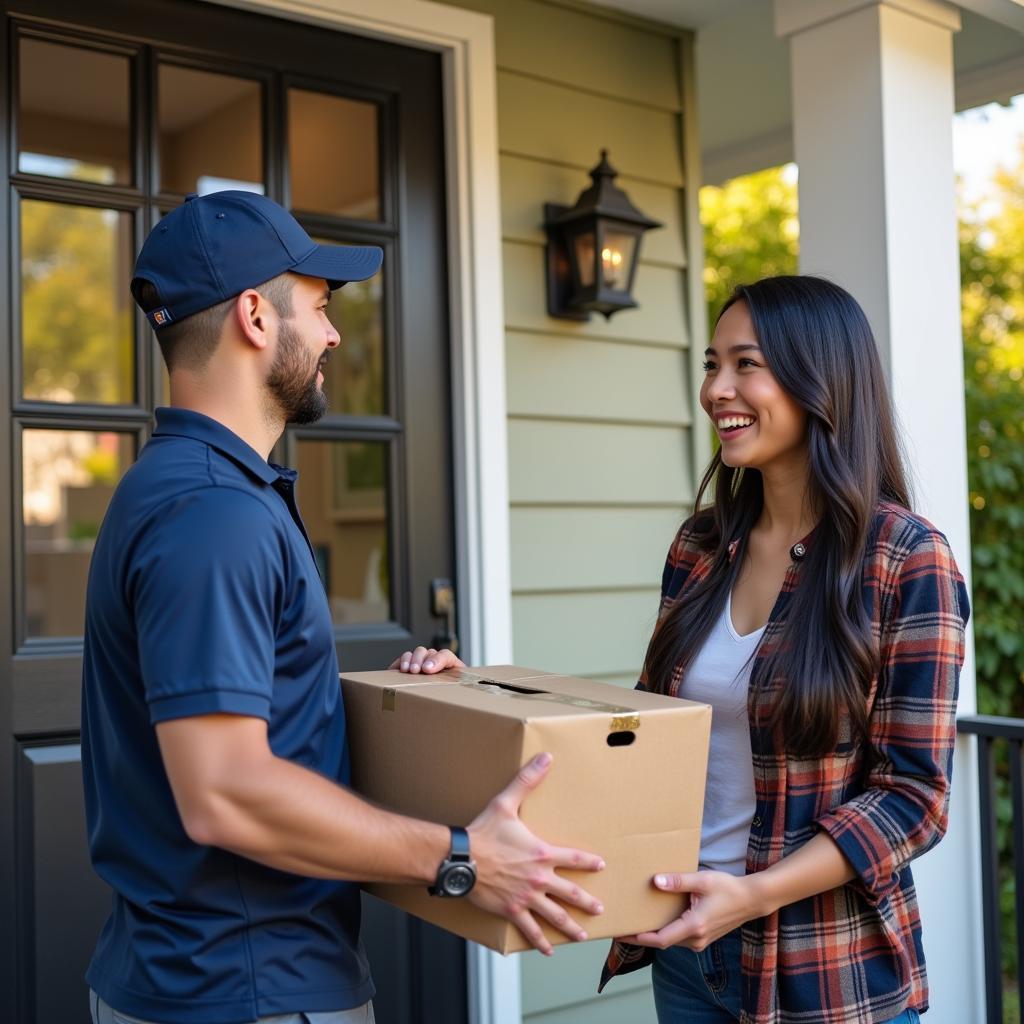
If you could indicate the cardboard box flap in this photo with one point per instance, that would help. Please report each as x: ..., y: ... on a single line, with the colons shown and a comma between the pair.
x: 391, y: 678
x: 522, y: 694
x: 569, y: 691
x: 538, y: 696
x: 503, y: 673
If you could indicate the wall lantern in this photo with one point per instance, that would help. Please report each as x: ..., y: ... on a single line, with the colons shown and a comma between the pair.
x: 593, y: 248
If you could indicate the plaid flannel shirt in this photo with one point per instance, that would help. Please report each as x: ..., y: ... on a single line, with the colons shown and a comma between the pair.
x: 852, y: 955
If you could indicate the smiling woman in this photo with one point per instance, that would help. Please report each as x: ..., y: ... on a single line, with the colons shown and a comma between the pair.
x: 745, y: 402
x: 796, y: 355
x: 824, y: 622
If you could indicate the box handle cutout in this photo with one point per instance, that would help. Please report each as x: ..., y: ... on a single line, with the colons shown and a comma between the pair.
x: 514, y: 689
x: 621, y: 739
x: 500, y: 688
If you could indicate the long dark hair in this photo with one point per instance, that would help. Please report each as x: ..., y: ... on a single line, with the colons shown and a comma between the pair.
x: 817, y: 342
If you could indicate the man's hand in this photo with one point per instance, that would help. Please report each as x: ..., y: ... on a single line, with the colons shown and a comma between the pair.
x: 516, y: 876
x: 427, y: 660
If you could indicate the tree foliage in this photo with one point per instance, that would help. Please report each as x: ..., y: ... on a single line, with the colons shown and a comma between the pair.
x: 751, y: 231
x: 76, y: 321
x: 992, y: 272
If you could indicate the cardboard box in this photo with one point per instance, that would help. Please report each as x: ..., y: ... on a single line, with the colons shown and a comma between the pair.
x: 627, y: 780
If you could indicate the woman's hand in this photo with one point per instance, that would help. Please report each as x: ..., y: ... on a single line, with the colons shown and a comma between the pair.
x: 427, y: 660
x: 718, y: 903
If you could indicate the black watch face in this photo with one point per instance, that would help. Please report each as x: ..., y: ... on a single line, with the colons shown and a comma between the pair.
x: 458, y: 880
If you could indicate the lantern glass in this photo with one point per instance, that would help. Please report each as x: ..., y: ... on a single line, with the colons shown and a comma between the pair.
x: 618, y: 250
x: 585, y: 262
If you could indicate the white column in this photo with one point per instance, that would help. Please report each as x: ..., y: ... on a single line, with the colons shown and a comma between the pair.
x: 872, y: 87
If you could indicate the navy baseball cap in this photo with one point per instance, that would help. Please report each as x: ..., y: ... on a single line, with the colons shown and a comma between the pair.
x: 213, y: 247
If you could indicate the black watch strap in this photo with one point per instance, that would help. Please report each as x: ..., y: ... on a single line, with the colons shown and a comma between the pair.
x: 460, y: 843
x: 456, y: 874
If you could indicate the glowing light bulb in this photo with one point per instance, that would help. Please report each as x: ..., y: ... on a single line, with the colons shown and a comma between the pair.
x: 611, y: 262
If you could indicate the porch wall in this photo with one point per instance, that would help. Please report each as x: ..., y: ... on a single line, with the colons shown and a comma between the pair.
x: 599, y: 413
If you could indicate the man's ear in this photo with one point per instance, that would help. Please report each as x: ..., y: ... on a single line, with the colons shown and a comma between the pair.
x: 251, y: 313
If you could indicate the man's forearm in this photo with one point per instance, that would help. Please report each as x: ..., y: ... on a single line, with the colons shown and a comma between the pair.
x: 231, y: 791
x: 295, y: 820
x: 285, y: 816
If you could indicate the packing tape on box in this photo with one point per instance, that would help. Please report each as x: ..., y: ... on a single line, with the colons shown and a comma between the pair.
x: 624, y: 718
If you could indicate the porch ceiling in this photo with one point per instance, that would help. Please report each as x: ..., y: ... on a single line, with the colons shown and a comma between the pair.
x: 743, y: 91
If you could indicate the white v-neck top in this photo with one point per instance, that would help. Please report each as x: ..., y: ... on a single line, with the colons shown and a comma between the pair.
x: 720, y: 676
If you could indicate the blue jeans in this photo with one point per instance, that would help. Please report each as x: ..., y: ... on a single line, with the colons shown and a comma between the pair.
x: 704, y: 988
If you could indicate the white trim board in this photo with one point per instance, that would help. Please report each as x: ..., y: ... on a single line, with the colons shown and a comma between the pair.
x: 465, y: 40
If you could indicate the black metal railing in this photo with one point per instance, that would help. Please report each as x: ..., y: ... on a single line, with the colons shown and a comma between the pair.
x: 988, y: 729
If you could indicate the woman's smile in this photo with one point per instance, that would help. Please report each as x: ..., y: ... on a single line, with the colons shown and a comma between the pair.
x: 731, y: 425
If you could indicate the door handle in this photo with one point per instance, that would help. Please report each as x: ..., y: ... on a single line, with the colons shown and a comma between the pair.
x: 442, y: 606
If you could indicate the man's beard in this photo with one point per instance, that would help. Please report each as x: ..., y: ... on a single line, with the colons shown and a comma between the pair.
x: 289, y: 381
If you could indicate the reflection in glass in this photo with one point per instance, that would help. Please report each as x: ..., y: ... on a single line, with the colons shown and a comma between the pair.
x: 211, y: 132
x: 73, y: 113
x: 354, y: 378
x: 332, y: 152
x: 67, y: 478
x: 165, y: 380
x: 76, y: 317
x: 585, y: 257
x: 342, y: 492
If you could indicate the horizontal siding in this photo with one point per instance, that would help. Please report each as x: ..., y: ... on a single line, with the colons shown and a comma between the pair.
x: 556, y: 123
x: 590, y: 548
x: 527, y: 184
x: 552, y: 463
x: 562, y: 376
x: 584, y: 634
x: 604, y: 56
x: 659, y: 293
x: 570, y: 977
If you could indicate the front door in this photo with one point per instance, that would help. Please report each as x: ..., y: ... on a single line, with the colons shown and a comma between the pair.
x: 118, y: 109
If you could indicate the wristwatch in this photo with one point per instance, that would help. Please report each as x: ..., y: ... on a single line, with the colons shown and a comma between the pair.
x: 457, y: 874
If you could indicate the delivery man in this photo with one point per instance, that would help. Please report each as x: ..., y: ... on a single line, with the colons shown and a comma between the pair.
x: 213, y: 734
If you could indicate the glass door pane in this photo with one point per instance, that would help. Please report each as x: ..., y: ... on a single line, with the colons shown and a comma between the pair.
x: 355, y: 380
x: 343, y: 497
x: 77, y: 334
x: 74, y: 113
x: 210, y: 131
x: 67, y: 478
x: 333, y: 157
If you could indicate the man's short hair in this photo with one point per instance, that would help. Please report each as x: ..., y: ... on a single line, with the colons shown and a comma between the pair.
x: 190, y: 343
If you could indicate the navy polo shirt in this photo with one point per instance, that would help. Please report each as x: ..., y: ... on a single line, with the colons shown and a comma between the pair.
x: 204, y: 597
